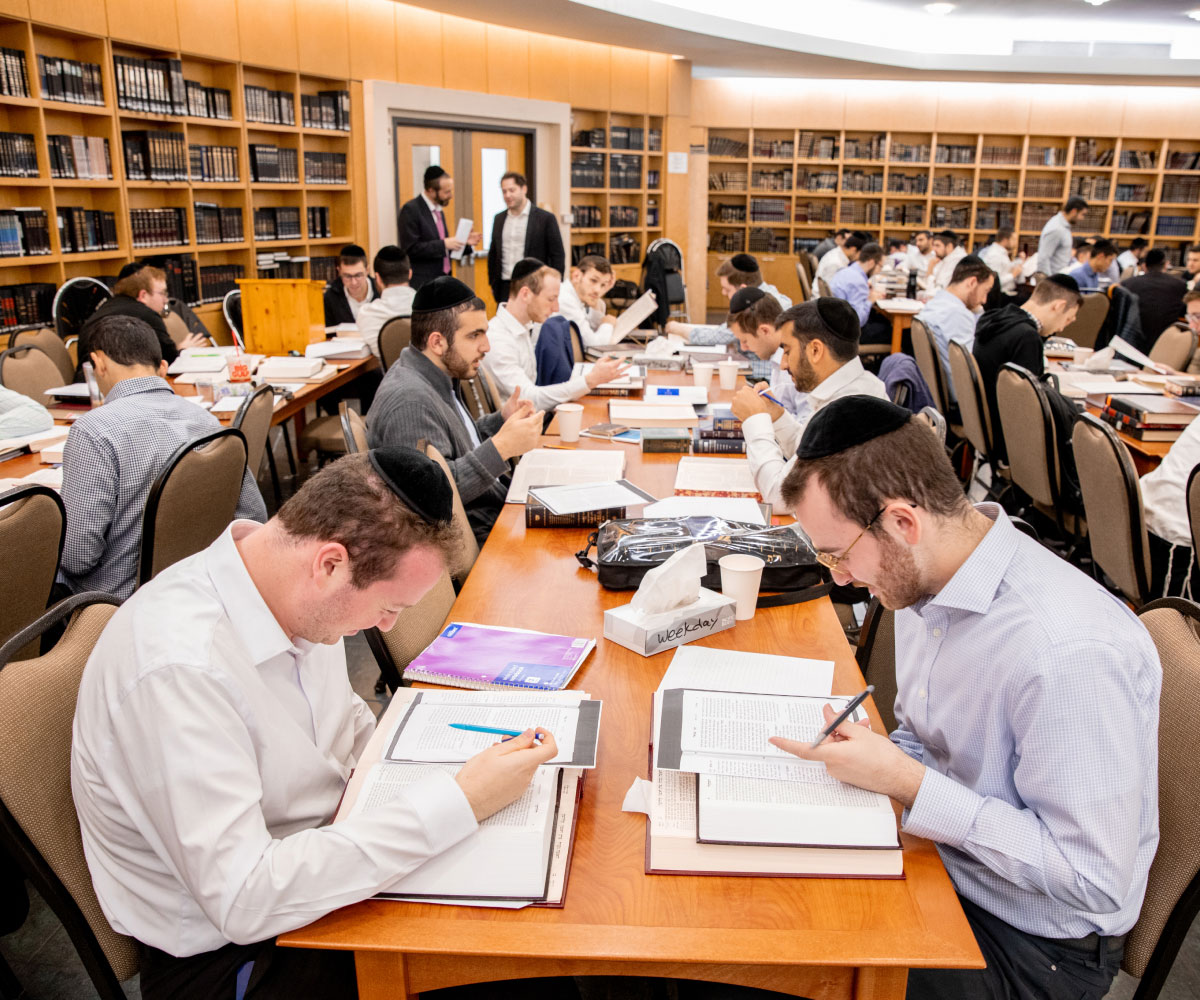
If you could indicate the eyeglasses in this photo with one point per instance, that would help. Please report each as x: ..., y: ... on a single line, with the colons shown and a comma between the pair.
x: 830, y: 561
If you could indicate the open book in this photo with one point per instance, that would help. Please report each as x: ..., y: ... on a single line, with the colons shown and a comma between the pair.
x: 631, y: 318
x: 544, y: 467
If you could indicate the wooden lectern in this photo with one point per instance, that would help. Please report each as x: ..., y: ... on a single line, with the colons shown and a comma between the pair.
x: 281, y: 314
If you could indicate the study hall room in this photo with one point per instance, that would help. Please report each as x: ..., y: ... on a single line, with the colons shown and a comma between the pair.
x: 626, y: 501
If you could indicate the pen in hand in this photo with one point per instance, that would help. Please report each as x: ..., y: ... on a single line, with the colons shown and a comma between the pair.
x: 506, y: 733
x: 766, y: 395
x: 842, y: 716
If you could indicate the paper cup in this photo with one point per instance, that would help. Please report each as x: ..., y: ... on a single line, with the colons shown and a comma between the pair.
x: 1081, y: 355
x: 702, y: 372
x: 740, y: 578
x: 729, y: 374
x: 570, y: 421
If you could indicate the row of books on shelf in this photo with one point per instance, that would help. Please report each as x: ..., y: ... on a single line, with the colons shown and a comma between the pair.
x: 208, y: 102
x: 18, y: 155
x: 14, y: 82
x: 182, y: 279
x: 325, y: 168
x: 214, y: 164
x: 1179, y: 160
x: 865, y: 149
x: 626, y: 137
x: 1138, y: 159
x: 774, y: 149
x: 1181, y: 189
x: 318, y: 222
x: 24, y: 232
x: 719, y: 145
x: 625, y: 171
x: 218, y: 280
x: 994, y: 155
x: 281, y: 223
x: 587, y: 216
x: 86, y: 230
x: 328, y: 109
x: 155, y: 86
x: 771, y: 180
x: 952, y: 153
x: 587, y: 170
x: 158, y: 227
x: 581, y: 250
x: 623, y: 215
x: 280, y: 265
x: 218, y: 223
x: 155, y: 155
x: 79, y: 157
x: 812, y: 146
x: 26, y: 305
x: 70, y: 80
x: 273, y: 164
x: 273, y: 107
x: 766, y: 241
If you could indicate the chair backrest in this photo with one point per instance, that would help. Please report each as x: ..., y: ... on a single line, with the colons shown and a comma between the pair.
x: 972, y: 400
x: 1193, y: 509
x: 415, y: 628
x: 805, y: 281
x: 177, y: 327
x: 1173, y: 889
x: 1088, y: 320
x: 1174, y: 347
x: 192, y: 501
x: 1112, y: 504
x: 823, y: 287
x: 354, y: 428
x: 49, y: 342
x: 30, y: 371
x: 394, y: 336
x: 74, y: 303
x: 577, y: 354
x: 926, y: 352
x: 33, y: 526
x: 468, y: 550
x: 38, y: 824
x: 937, y: 422
x: 876, y: 655
x: 489, y: 395
x: 231, y: 309
x: 253, y: 419
x: 1028, y: 427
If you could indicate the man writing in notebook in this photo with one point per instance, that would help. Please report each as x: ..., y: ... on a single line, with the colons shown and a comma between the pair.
x: 216, y: 728
x: 1027, y: 707
x: 752, y: 318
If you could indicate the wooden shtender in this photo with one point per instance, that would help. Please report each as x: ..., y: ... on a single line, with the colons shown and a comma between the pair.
x: 281, y: 314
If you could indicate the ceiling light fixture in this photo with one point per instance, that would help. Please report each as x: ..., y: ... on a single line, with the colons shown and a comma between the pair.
x: 1194, y: 15
x: 679, y: 57
x: 940, y: 9
x: 1096, y: 3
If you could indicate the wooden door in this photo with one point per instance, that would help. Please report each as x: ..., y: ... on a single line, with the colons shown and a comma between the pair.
x: 492, y: 155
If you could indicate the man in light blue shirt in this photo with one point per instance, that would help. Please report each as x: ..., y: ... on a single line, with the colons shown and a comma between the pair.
x: 752, y: 317
x: 21, y: 416
x: 1027, y: 709
x: 740, y: 271
x: 1054, y: 245
x: 950, y: 315
x: 1095, y: 273
x: 852, y: 284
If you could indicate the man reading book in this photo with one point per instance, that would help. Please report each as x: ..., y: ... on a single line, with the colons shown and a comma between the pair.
x: 1026, y: 744
x: 216, y: 728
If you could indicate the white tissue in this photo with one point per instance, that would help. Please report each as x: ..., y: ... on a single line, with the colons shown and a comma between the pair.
x: 1100, y: 361
x: 674, y: 584
x: 639, y: 797
x: 662, y: 347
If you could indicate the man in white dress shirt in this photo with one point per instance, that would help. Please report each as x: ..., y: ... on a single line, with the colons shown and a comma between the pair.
x: 396, y: 295
x: 752, y: 317
x: 820, y: 350
x: 836, y: 259
x: 532, y: 299
x: 920, y: 252
x: 998, y: 256
x: 216, y: 728
x: 947, y: 254
x: 581, y: 300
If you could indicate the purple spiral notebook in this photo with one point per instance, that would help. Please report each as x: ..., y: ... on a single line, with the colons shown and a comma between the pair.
x: 489, y: 658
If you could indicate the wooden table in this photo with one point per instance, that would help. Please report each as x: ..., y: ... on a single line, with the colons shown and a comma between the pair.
x: 901, y: 322
x: 820, y: 938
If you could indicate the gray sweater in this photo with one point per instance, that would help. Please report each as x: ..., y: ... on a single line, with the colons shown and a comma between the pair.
x: 415, y: 403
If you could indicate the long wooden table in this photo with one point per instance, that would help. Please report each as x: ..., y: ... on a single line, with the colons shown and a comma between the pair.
x: 820, y: 938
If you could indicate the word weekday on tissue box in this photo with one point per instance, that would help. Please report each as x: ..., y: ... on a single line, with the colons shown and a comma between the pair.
x: 670, y: 607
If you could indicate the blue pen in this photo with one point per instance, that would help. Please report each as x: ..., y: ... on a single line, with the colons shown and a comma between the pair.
x: 767, y: 395
x: 509, y: 733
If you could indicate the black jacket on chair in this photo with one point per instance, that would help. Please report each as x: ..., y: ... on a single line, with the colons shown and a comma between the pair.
x: 543, y: 240
x: 420, y: 240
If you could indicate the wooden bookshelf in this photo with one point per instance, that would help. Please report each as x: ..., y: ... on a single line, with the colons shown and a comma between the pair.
x: 40, y: 116
x: 890, y: 183
x: 640, y: 207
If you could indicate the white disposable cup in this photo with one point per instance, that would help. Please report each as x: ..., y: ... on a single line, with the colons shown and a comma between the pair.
x: 728, y: 371
x: 740, y: 579
x: 702, y: 372
x: 570, y: 421
x: 1081, y: 355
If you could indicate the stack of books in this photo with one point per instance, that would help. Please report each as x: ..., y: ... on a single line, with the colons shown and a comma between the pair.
x: 720, y: 434
x: 158, y: 227
x: 1149, y: 418
x: 13, y: 81
x: 83, y: 157
x: 24, y: 232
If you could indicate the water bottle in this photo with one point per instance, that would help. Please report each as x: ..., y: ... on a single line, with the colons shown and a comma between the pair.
x: 911, y: 290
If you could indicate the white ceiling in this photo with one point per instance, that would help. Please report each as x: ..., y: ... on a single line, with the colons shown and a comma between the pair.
x: 881, y: 38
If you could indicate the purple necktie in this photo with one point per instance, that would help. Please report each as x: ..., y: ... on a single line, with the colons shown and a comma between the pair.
x: 441, y: 227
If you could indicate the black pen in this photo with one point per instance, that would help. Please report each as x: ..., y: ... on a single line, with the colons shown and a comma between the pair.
x: 843, y: 715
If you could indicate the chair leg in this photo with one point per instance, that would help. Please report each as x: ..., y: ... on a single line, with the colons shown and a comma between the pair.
x: 274, y: 471
x: 291, y: 455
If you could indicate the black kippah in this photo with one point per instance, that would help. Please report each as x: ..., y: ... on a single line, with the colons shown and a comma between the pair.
x: 1064, y: 281
x: 525, y: 267
x: 744, y: 262
x: 131, y: 268
x: 443, y: 292
x: 848, y: 421
x: 744, y: 298
x: 417, y: 480
x: 839, y: 318
x: 391, y: 253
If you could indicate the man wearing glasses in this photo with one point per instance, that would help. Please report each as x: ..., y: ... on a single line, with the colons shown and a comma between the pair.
x: 352, y: 289
x: 1026, y: 744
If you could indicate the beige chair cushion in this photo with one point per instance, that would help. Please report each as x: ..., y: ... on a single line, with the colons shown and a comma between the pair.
x: 31, y: 536
x: 468, y: 550
x: 1193, y: 508
x: 1174, y: 347
x: 1178, y: 857
x: 324, y: 434
x: 354, y: 429
x: 926, y: 353
x: 1024, y: 426
x: 418, y: 626
x: 1088, y: 321
x: 30, y: 371
x: 176, y: 327
x: 37, y: 708
x: 254, y: 421
x: 51, y: 343
x: 395, y: 335
x: 880, y: 666
x: 972, y: 403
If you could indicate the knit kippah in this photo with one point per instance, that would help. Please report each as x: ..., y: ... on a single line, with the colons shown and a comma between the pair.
x: 525, y: 267
x: 744, y: 298
x: 443, y: 292
x: 744, y: 262
x: 417, y: 480
x: 1064, y: 281
x: 848, y: 421
x: 839, y: 318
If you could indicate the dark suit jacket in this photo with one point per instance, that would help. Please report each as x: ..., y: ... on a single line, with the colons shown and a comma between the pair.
x: 337, y: 309
x: 123, y: 305
x: 543, y: 240
x: 420, y: 240
x: 1160, y: 302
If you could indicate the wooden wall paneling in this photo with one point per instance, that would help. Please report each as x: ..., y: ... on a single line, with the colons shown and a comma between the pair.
x: 674, y: 216
x: 267, y: 33
x: 1082, y: 112
x: 87, y: 17
x: 15, y: 8
x: 359, y: 194
x: 895, y: 112
x: 590, y: 75
x: 209, y: 28
x: 1147, y: 115
x: 507, y: 61
x: 695, y: 274
x: 131, y: 21
x: 322, y: 38
x: 658, y: 75
x: 717, y: 104
x: 372, y: 36
x: 464, y: 54
x: 630, y: 70
x: 549, y: 68
x: 679, y: 87
x: 419, y: 46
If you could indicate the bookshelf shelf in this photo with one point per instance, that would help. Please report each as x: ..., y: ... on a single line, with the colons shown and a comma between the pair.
x: 23, y: 182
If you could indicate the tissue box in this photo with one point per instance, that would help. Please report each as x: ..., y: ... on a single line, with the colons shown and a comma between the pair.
x: 709, y: 613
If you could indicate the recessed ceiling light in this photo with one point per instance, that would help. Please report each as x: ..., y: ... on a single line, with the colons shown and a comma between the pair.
x: 1194, y: 15
x: 940, y: 9
x: 678, y: 57
x: 1095, y: 3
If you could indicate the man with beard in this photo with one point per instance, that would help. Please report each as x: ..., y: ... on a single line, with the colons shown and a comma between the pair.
x: 1026, y: 744
x: 820, y: 350
x: 417, y: 401
x: 424, y: 236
